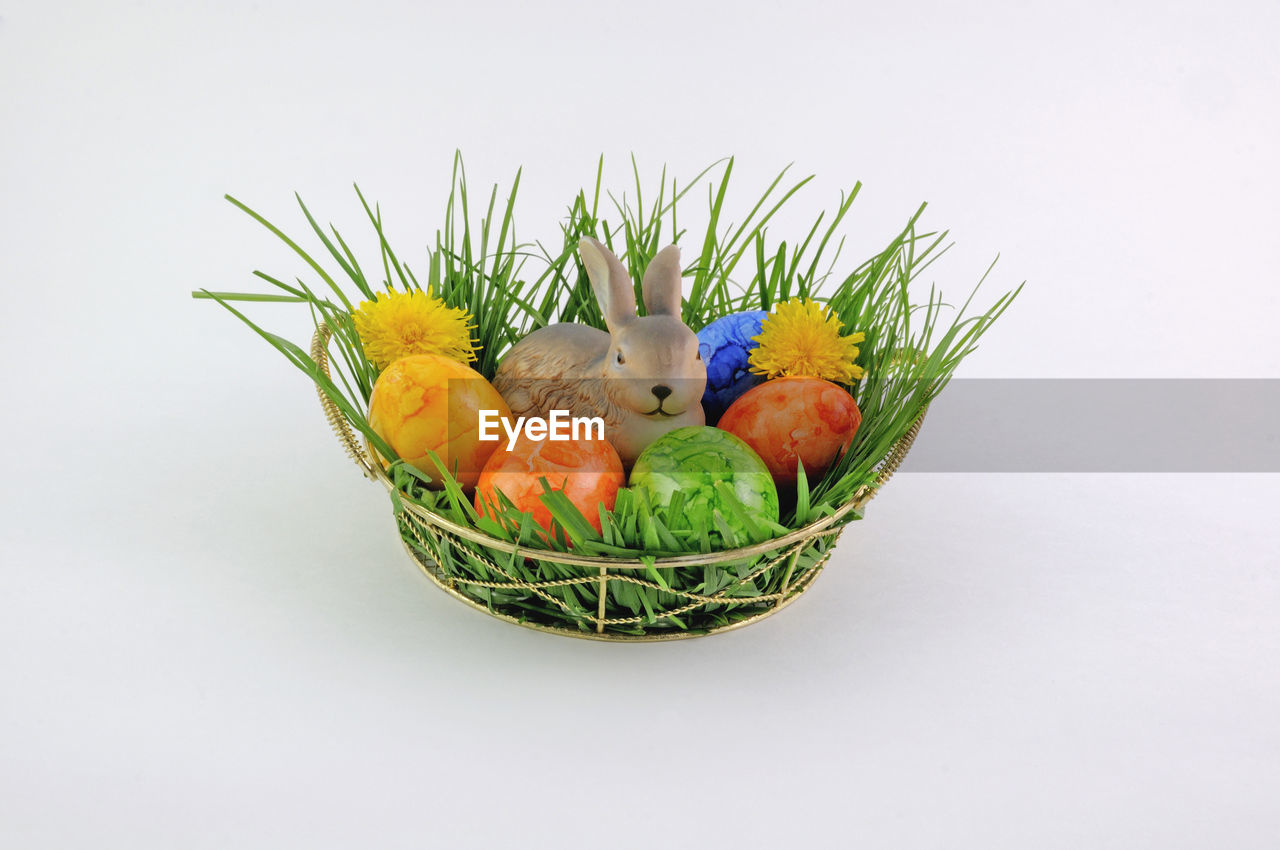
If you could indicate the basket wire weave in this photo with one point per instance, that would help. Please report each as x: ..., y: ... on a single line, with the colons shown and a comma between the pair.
x: 468, y: 563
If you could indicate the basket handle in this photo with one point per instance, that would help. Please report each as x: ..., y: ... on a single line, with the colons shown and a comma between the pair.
x: 338, y: 422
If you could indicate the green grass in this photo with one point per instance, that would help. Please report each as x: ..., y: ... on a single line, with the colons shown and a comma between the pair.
x: 912, y: 348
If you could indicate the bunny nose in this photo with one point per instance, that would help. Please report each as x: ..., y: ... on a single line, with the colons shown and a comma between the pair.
x: 661, y: 391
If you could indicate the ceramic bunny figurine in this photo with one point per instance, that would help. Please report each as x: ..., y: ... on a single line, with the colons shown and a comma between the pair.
x: 644, y: 377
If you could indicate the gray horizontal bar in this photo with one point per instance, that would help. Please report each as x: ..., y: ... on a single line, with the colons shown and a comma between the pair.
x: 1101, y: 425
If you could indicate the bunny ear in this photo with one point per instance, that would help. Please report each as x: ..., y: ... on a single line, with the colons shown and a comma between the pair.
x: 610, y: 282
x: 662, y: 283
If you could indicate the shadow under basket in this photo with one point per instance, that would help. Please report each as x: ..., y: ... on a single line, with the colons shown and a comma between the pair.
x: 594, y: 597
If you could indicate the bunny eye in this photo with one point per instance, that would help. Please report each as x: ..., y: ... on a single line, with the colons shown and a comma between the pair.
x: 698, y: 356
x: 621, y: 359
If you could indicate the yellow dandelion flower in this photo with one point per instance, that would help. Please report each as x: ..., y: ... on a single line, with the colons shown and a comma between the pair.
x: 802, y: 337
x: 398, y: 324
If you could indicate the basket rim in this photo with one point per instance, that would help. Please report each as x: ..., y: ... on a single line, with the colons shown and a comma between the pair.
x: 720, y: 556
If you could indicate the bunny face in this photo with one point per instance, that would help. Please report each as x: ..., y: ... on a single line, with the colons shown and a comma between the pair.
x: 654, y: 367
x: 651, y: 371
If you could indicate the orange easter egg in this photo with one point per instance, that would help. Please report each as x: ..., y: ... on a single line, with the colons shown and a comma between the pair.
x: 794, y: 419
x: 588, y: 472
x: 426, y: 402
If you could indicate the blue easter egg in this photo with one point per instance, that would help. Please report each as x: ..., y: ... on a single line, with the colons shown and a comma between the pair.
x: 725, y: 345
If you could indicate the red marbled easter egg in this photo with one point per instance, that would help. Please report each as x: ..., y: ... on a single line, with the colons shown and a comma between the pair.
x: 588, y: 472
x: 790, y: 419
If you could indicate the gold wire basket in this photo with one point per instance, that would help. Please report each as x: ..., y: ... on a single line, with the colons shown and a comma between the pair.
x: 469, y: 565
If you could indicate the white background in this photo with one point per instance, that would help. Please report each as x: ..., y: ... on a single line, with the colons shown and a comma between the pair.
x: 210, y: 637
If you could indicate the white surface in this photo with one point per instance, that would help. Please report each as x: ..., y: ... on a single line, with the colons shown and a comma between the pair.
x: 210, y: 637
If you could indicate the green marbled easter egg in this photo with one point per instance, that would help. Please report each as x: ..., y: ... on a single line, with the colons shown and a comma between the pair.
x: 692, y: 460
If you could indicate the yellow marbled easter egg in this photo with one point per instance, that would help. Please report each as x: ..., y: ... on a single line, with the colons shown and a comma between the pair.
x: 426, y: 402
